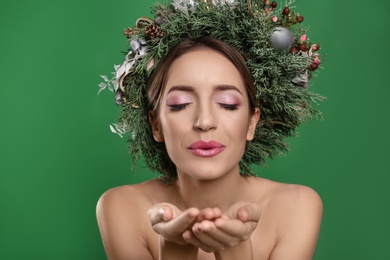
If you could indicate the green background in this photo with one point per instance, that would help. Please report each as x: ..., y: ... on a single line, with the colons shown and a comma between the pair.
x: 57, y: 154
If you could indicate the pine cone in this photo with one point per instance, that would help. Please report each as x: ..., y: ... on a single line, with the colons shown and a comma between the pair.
x: 154, y: 31
x: 129, y: 32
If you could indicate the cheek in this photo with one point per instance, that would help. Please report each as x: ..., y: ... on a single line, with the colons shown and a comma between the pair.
x: 237, y: 125
x: 174, y: 126
x: 174, y: 132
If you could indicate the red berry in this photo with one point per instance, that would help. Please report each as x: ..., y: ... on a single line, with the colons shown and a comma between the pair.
x: 302, y: 46
x: 286, y: 11
x: 314, y: 66
x: 294, y: 50
x: 274, y: 4
x: 299, y: 18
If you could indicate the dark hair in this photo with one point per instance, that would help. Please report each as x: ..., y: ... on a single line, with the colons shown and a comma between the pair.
x: 158, y: 80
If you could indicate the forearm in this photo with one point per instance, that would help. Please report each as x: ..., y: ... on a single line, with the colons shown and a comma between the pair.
x: 242, y: 251
x: 173, y: 251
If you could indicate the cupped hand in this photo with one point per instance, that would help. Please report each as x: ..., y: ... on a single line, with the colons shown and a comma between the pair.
x: 214, y: 233
x: 170, y: 222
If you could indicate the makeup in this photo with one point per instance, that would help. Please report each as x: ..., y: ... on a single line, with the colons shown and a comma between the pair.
x: 206, y: 149
x: 178, y: 101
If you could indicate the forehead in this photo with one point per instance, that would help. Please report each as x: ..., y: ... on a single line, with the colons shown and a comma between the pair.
x: 203, y: 67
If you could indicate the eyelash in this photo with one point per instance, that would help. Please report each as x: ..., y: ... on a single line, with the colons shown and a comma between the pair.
x: 178, y: 107
x: 230, y: 107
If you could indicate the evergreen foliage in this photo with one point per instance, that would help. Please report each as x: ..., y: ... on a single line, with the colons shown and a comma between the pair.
x: 247, y: 26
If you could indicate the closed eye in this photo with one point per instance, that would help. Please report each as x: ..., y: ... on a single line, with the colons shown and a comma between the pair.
x: 177, y: 107
x: 230, y: 107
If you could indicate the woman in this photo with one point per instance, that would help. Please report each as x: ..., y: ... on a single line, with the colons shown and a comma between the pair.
x: 203, y: 111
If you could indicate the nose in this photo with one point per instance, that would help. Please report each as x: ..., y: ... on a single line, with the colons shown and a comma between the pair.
x: 205, y: 119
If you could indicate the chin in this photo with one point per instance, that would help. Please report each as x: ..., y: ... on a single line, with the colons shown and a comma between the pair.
x: 207, y: 172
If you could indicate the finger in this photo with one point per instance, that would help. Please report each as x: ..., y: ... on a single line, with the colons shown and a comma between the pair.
x: 201, y: 238
x: 192, y: 239
x: 208, y: 233
x: 178, y: 224
x: 235, y: 228
x: 249, y: 212
x: 186, y: 218
x: 209, y: 214
x: 160, y: 213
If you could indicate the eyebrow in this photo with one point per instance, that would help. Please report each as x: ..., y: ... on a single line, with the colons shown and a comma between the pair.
x: 227, y: 87
x: 181, y: 88
x: 221, y: 87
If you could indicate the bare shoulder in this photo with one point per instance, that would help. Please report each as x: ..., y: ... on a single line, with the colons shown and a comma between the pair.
x: 123, y: 198
x: 297, y: 210
x: 141, y: 195
x: 123, y: 223
x: 296, y: 198
x: 287, y: 197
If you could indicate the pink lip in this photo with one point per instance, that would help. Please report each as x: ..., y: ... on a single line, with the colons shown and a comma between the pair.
x: 206, y: 149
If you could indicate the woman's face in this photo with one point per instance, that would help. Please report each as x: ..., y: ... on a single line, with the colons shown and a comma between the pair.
x: 204, y: 116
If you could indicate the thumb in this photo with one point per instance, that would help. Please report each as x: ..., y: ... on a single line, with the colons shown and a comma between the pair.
x: 160, y: 213
x: 249, y: 213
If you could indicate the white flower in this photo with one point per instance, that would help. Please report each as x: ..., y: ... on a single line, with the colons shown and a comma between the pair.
x: 231, y: 3
x: 185, y: 6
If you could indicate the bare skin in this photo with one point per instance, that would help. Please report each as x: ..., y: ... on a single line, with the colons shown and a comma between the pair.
x: 210, y: 211
x: 287, y: 229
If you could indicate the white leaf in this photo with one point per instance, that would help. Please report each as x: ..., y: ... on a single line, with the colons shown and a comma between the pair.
x: 102, y: 85
x: 104, y: 77
x: 113, y: 129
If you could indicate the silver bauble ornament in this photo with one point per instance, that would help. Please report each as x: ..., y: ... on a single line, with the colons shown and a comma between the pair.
x: 282, y: 39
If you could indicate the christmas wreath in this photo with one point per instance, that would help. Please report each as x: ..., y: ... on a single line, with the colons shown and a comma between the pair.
x: 278, y: 53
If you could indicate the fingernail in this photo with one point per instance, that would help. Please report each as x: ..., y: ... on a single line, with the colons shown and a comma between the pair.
x: 162, y: 214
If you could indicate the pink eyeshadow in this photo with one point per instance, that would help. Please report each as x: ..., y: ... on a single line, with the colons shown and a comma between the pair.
x: 228, y: 99
x: 178, y: 99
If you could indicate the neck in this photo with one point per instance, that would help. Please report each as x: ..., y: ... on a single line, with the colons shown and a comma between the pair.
x: 222, y: 192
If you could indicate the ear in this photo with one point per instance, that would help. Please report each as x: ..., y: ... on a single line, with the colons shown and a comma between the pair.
x: 253, y: 120
x: 156, y: 127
